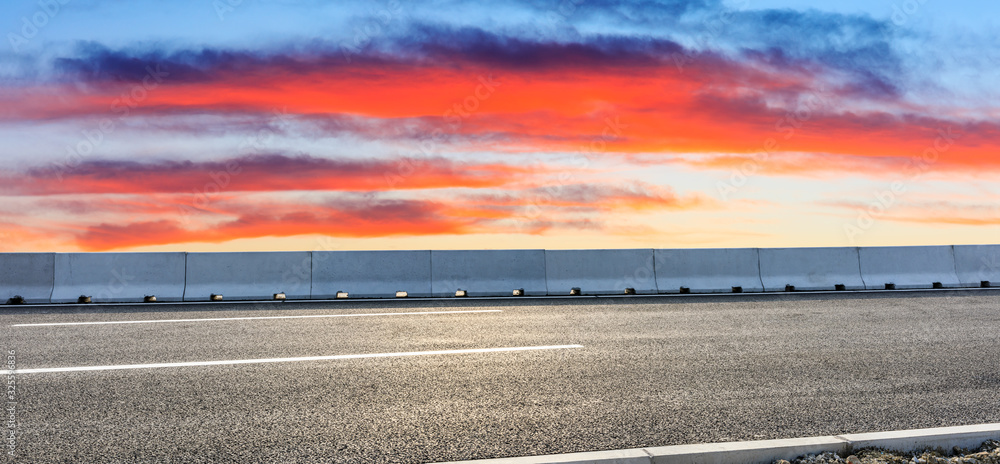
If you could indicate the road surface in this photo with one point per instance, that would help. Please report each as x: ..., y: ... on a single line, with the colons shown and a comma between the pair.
x: 464, y: 379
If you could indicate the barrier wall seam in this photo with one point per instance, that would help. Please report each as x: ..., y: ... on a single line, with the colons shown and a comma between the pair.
x: 760, y: 275
x: 311, y: 264
x: 53, y: 291
x: 545, y: 271
x: 860, y: 272
x: 954, y: 261
x: 656, y: 285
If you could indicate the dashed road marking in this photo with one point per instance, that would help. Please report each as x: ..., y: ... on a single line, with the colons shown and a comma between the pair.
x: 46, y: 370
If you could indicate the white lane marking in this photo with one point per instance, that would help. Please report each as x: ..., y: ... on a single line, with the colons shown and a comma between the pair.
x: 278, y: 360
x: 257, y: 318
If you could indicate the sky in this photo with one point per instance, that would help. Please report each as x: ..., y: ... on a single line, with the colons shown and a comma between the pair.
x: 252, y: 125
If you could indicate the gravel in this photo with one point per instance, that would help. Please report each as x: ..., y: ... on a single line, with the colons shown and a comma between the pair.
x: 988, y: 453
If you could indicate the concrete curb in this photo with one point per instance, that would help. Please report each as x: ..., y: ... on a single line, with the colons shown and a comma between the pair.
x: 674, y: 297
x: 768, y: 451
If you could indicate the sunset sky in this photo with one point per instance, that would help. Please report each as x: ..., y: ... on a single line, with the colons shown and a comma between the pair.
x: 231, y: 125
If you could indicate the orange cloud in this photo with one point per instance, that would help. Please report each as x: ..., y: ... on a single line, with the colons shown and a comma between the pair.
x: 366, y: 219
x: 961, y: 211
x: 525, y: 211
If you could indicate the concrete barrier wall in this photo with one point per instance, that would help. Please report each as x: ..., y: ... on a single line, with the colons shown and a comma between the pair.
x: 600, y: 272
x: 976, y: 264
x: 126, y: 277
x: 908, y: 267
x: 371, y: 274
x: 118, y: 277
x: 488, y: 272
x: 248, y: 276
x: 28, y: 275
x: 708, y: 270
x: 810, y: 268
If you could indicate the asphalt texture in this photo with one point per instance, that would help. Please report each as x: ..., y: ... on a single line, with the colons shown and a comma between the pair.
x: 651, y: 372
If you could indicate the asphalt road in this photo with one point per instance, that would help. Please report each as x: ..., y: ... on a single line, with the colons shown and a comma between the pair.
x: 647, y: 372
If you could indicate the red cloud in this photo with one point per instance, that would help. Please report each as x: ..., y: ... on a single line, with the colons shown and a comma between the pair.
x: 709, y: 106
x: 262, y: 174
